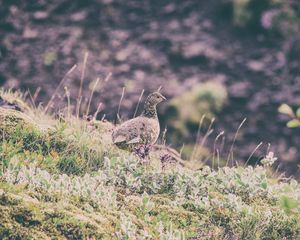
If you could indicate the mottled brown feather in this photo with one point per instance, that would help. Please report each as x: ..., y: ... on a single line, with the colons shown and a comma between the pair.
x: 143, y: 129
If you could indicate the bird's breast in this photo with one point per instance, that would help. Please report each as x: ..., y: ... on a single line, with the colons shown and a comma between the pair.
x: 152, y: 130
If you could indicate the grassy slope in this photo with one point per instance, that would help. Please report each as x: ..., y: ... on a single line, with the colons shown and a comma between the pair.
x: 62, y: 178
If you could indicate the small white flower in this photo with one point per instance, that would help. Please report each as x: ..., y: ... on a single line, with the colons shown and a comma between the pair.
x: 269, y: 159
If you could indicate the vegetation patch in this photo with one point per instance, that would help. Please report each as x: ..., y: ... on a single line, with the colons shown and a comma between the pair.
x: 70, y: 182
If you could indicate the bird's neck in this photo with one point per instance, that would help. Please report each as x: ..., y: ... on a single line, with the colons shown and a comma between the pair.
x: 149, y: 110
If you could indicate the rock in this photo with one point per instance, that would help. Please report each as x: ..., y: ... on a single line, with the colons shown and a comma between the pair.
x: 14, y: 101
x: 11, y: 119
x: 8, y: 105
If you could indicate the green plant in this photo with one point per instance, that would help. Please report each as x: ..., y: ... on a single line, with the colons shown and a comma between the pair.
x: 295, y: 115
x: 186, y: 110
x: 70, y: 182
x: 272, y: 15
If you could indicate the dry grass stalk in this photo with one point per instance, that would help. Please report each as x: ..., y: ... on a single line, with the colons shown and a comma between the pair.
x: 91, y: 96
x: 215, y: 143
x: 86, y: 55
x: 255, y: 149
x: 120, y: 102
x: 230, y: 154
x: 97, y: 111
x: 198, y: 135
x: 58, y: 87
x: 79, y: 97
x: 138, y: 104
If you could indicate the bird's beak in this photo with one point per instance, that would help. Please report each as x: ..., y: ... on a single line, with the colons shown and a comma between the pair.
x: 164, y: 98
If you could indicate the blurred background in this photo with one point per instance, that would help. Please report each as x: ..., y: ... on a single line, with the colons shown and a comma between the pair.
x: 227, y: 59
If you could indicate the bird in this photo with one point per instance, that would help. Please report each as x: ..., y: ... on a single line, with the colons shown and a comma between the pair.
x: 141, y: 130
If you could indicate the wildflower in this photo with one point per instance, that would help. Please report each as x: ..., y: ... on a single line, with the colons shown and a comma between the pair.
x: 164, y: 159
x: 142, y: 151
x: 268, y: 160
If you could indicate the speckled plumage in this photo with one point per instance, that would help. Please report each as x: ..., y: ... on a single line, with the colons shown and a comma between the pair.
x: 143, y: 129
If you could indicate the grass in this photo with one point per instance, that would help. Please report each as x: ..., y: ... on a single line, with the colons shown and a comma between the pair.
x: 62, y: 178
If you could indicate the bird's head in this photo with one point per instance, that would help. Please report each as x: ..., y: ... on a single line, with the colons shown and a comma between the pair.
x: 155, y: 98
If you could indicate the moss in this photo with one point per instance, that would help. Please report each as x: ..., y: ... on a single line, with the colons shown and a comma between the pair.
x: 71, y: 228
x: 71, y: 165
x: 71, y: 146
x: 27, y: 218
x: 68, y: 147
x: 19, y: 222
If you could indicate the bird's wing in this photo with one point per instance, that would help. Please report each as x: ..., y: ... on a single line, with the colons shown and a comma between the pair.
x: 134, y: 140
x: 119, y: 139
x: 128, y: 132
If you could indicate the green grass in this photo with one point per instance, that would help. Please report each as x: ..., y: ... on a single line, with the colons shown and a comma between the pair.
x: 64, y: 179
